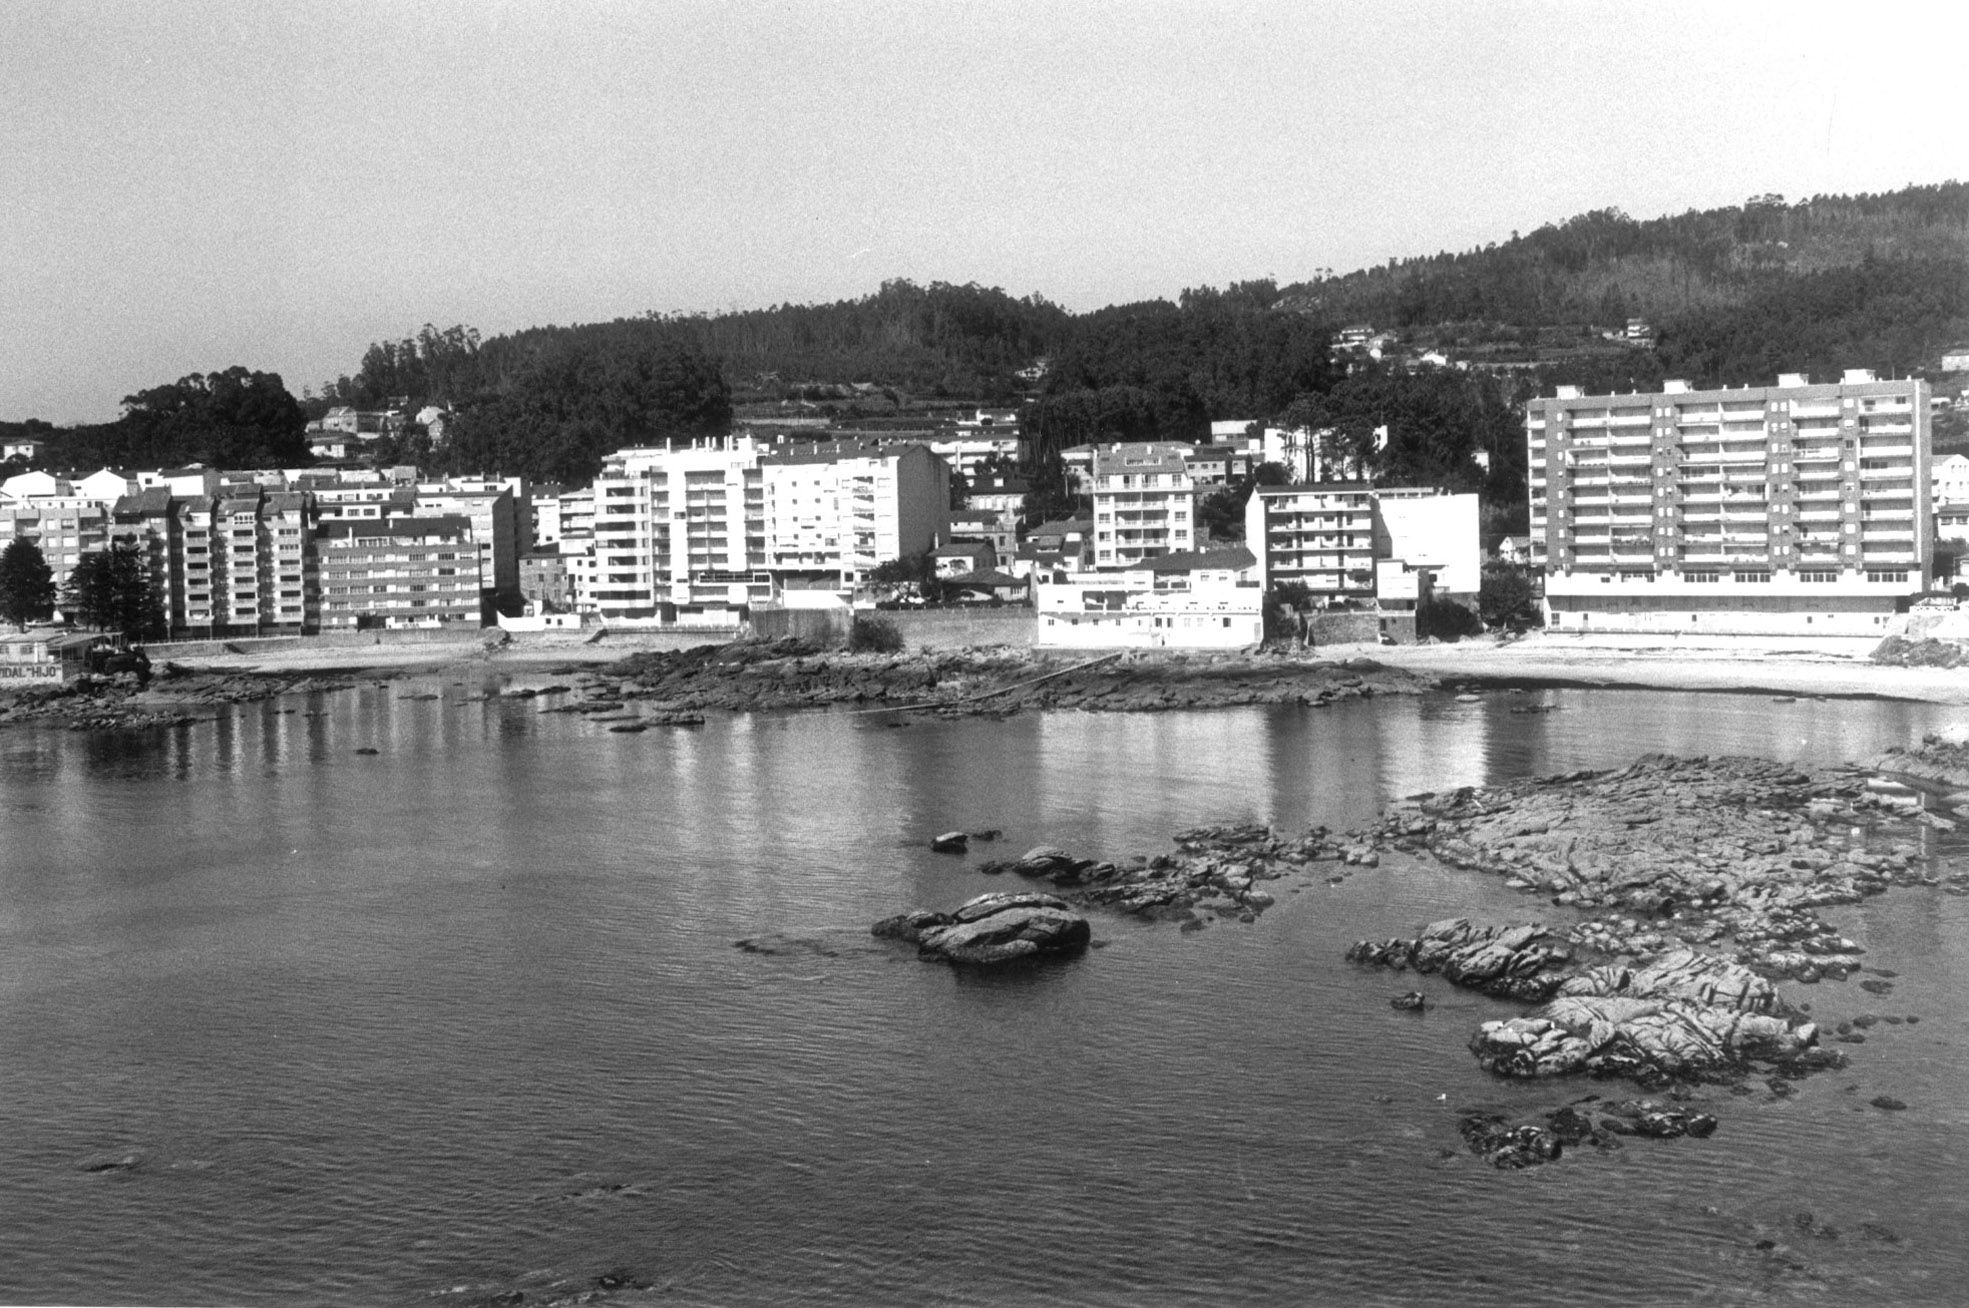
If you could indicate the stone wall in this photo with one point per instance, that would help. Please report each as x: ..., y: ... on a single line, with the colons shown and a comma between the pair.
x: 958, y: 628
x: 1348, y: 628
x: 821, y: 626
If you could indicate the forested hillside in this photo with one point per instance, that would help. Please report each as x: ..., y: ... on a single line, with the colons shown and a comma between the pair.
x: 1604, y: 267
x: 1734, y: 295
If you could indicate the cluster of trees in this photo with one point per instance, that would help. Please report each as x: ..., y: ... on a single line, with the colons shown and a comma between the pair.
x: 235, y: 418
x: 108, y: 589
x: 1162, y: 371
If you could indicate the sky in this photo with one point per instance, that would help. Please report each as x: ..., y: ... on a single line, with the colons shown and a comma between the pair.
x: 197, y: 185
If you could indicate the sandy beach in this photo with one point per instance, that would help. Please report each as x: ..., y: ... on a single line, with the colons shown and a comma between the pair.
x: 1799, y: 667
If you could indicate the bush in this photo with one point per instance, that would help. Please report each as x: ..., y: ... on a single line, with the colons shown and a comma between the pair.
x: 1446, y: 620
x: 874, y: 636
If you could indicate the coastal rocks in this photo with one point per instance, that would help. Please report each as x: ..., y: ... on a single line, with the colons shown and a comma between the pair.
x: 1672, y: 853
x: 1648, y: 1039
x: 992, y: 929
x: 1522, y: 962
x: 1684, y: 1014
x: 761, y: 675
x: 1214, y: 873
x: 1510, y: 1145
x: 951, y: 842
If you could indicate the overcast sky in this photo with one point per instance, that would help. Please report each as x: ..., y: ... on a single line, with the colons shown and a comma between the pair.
x: 191, y: 186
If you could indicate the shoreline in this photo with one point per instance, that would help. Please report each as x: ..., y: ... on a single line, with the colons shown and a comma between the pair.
x: 678, y: 672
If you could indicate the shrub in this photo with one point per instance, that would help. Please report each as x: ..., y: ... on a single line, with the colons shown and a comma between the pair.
x: 874, y: 636
x: 1446, y: 620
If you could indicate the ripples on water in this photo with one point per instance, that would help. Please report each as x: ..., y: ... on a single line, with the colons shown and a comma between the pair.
x: 467, y: 1013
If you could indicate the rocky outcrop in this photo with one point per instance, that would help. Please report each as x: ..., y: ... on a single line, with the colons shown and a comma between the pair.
x: 1521, y: 962
x: 1681, y: 853
x: 1504, y: 1143
x: 992, y: 929
x: 1214, y: 872
x: 1682, y: 1015
x: 1942, y: 761
x: 783, y: 674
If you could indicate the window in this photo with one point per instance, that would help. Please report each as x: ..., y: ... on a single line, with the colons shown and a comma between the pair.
x: 1699, y: 576
x: 1818, y: 578
x: 1753, y: 576
x: 1892, y: 577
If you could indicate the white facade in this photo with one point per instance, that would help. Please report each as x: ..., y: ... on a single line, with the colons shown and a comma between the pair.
x: 1140, y: 609
x: 1144, y: 503
x: 838, y: 512
x: 677, y: 526
x: 1790, y: 509
x: 1950, y: 481
x: 1428, y: 531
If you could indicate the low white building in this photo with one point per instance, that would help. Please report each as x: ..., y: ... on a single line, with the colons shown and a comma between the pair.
x: 1950, y: 480
x: 1188, y: 601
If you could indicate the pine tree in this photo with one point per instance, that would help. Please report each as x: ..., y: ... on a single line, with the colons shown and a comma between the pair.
x: 27, y: 586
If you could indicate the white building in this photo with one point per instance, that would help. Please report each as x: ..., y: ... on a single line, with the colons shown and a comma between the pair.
x: 1189, y: 601
x: 678, y: 531
x: 1950, y: 480
x: 833, y: 512
x: 1792, y: 509
x: 1428, y: 531
x: 1144, y: 503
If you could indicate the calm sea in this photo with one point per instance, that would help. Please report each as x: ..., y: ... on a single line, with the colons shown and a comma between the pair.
x: 465, y: 1016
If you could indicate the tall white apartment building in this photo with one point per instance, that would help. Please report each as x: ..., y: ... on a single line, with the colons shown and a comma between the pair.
x: 1144, y: 503
x: 834, y: 512
x: 1788, y: 509
x: 678, y: 531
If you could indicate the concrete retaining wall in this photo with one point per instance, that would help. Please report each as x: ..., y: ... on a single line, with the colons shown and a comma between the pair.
x: 821, y: 626
x: 957, y: 628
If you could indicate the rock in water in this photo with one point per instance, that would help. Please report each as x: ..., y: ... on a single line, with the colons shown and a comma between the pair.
x: 993, y: 929
x: 950, y: 842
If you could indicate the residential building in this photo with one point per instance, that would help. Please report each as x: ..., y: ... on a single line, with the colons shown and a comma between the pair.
x: 1144, y: 503
x: 263, y: 578
x: 494, y: 509
x: 406, y: 572
x: 1949, y: 482
x: 1178, y: 601
x: 30, y: 451
x: 996, y: 529
x: 1426, y: 530
x: 1064, y: 546
x: 1321, y: 535
x: 997, y: 494
x: 151, y: 522
x: 547, y: 582
x: 1788, y: 509
x: 678, y: 530
x: 1955, y: 358
x: 833, y: 512
x: 962, y: 558
x: 63, y: 524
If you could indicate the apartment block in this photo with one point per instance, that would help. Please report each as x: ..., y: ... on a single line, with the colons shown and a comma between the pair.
x: 1144, y: 503
x: 1320, y: 535
x: 500, y: 525
x: 1788, y: 509
x: 678, y: 531
x: 64, y: 525
x: 834, y: 512
x: 414, y: 572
